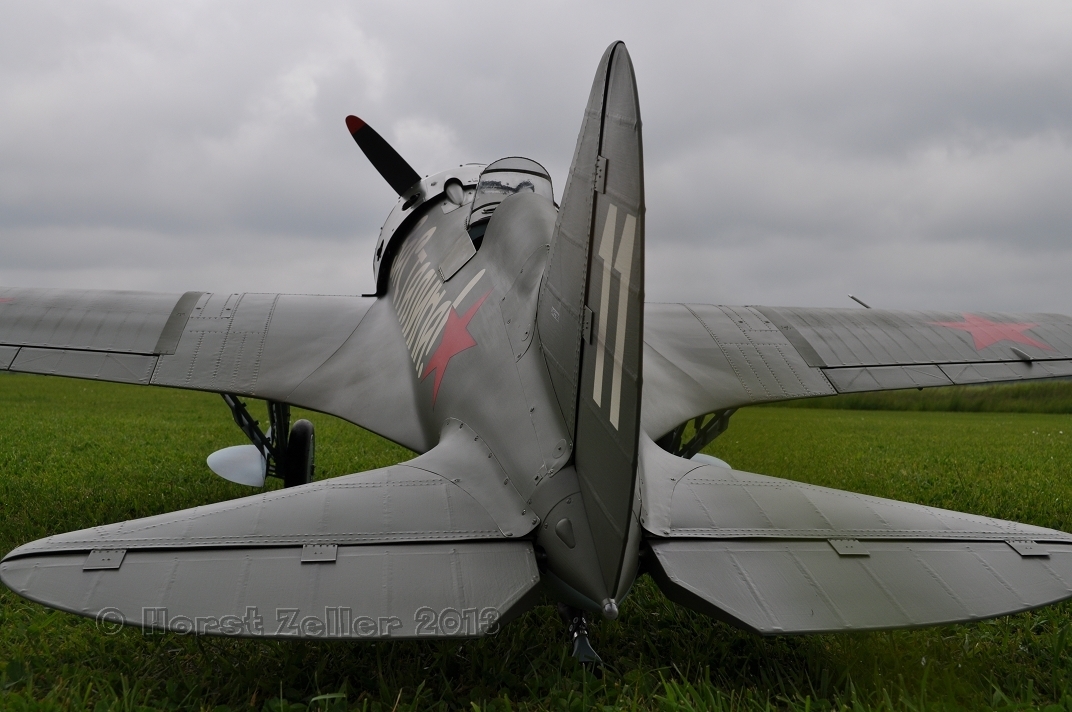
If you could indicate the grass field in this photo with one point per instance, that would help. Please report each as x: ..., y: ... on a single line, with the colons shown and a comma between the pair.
x: 1038, y: 397
x: 76, y: 454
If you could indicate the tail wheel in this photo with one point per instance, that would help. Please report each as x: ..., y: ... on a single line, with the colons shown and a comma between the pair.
x: 301, y: 458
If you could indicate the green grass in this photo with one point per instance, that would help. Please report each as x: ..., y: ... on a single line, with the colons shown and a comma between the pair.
x: 1040, y: 397
x: 75, y: 454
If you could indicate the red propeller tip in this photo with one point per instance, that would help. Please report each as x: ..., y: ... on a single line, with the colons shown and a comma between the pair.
x: 354, y: 124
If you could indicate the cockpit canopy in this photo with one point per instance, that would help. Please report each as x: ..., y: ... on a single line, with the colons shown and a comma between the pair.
x: 506, y: 177
x: 484, y: 186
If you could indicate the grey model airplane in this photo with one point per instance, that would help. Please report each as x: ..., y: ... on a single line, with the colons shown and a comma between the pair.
x: 558, y: 419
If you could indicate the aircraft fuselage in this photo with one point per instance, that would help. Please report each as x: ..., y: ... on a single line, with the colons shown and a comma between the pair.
x: 464, y: 291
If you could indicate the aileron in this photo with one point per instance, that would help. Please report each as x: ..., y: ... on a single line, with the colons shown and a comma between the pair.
x: 88, y: 320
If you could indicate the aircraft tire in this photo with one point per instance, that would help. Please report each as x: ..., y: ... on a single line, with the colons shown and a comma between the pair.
x: 301, y: 455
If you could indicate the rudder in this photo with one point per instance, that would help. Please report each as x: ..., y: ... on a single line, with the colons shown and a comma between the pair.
x: 590, y: 314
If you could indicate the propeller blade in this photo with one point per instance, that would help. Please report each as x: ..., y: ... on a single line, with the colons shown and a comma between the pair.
x: 385, y: 159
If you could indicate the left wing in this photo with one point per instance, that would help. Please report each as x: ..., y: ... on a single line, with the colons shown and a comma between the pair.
x: 338, y: 355
x: 701, y: 359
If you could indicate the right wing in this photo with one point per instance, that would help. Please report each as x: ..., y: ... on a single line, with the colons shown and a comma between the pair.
x: 701, y: 359
x: 432, y: 547
x: 336, y: 355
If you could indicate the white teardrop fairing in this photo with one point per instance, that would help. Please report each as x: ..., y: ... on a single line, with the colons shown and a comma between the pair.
x: 243, y: 464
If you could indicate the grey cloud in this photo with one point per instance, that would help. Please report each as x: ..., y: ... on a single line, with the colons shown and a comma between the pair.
x: 918, y: 152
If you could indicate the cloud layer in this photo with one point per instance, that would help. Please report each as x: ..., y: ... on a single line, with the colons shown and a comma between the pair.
x: 915, y: 154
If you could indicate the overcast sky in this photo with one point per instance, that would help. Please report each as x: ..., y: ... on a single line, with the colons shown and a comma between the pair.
x: 915, y: 154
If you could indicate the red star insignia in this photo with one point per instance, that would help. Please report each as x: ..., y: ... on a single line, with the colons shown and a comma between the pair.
x: 987, y: 333
x: 456, y: 338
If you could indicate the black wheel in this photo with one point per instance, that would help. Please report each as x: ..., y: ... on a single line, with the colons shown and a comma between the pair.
x: 301, y: 455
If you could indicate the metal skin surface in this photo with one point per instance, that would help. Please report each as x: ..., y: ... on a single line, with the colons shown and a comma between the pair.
x: 700, y: 358
x: 508, y: 344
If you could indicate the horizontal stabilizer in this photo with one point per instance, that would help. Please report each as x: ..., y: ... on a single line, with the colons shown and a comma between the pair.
x: 436, y: 535
x: 775, y: 556
x: 776, y: 587
x: 461, y: 589
x: 686, y: 499
x: 454, y: 492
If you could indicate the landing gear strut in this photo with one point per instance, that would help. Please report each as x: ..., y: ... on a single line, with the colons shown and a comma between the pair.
x: 288, y: 451
x: 577, y: 630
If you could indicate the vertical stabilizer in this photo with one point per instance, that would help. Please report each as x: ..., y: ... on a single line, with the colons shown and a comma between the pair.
x: 590, y: 314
